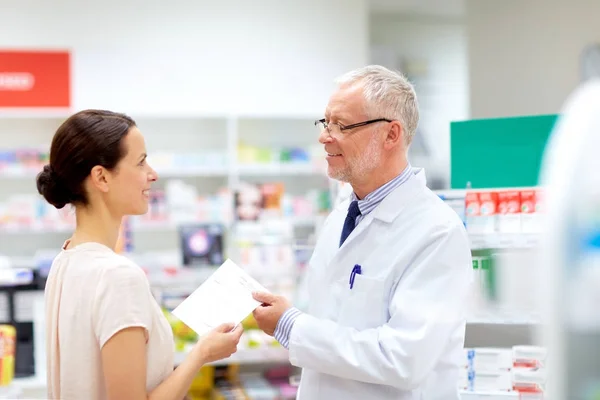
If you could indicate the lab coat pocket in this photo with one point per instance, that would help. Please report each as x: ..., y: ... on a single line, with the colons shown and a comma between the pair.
x: 362, y: 306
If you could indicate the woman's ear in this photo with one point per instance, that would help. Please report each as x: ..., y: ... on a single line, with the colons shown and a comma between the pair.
x: 99, y: 178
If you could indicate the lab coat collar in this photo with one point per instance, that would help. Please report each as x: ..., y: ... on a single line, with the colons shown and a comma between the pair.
x: 387, y: 211
x: 392, y: 205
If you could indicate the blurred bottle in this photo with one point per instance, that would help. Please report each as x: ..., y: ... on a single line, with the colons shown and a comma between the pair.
x: 569, y: 261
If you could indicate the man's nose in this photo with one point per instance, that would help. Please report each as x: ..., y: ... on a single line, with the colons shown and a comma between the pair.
x: 325, y: 136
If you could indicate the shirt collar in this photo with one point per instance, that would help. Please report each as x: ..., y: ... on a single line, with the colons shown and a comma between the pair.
x: 372, y: 200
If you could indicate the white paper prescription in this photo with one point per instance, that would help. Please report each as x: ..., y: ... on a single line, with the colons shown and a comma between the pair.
x: 226, y: 296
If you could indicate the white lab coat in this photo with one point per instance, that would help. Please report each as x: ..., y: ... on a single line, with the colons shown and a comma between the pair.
x: 399, y: 333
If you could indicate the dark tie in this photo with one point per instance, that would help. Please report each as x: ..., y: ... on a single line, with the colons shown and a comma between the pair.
x: 350, y: 222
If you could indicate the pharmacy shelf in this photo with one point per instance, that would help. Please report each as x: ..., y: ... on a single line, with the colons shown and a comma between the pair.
x: 178, y: 277
x: 18, y: 173
x: 499, y: 320
x: 16, y: 276
x: 271, y: 169
x: 195, y: 171
x: 35, y: 113
x: 10, y: 392
x: 33, y: 229
x: 35, y: 382
x: 271, y: 355
x: 172, y: 278
x: 503, y: 240
x: 208, y: 171
x: 187, y: 279
x: 151, y: 226
x: 274, y: 169
x: 489, y: 395
x: 250, y: 357
x: 499, y: 316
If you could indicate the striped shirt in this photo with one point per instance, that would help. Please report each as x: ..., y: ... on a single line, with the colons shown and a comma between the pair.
x: 366, y: 205
x: 372, y: 200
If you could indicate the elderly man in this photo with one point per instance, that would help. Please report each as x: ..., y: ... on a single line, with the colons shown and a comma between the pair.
x: 391, y: 272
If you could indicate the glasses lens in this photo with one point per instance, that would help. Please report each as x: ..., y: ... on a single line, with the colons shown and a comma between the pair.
x: 320, y: 126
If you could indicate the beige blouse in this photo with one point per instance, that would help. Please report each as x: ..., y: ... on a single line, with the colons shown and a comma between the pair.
x: 91, y: 294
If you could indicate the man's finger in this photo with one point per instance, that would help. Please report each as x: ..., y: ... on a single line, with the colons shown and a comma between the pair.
x: 264, y: 297
x: 258, y: 313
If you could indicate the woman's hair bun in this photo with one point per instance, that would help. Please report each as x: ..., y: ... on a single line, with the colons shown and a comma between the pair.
x: 49, y: 186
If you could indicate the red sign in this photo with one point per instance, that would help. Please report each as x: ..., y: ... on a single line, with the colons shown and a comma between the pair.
x: 35, y: 79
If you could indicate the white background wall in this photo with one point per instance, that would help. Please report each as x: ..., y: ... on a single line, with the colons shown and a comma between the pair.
x: 432, y: 51
x: 197, y: 56
x: 524, y: 55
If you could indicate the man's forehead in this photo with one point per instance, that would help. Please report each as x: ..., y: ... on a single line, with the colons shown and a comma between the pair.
x: 347, y: 99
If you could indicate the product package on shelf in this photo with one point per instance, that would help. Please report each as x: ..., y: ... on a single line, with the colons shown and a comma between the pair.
x: 231, y: 383
x: 490, y: 395
x: 509, y: 211
x: 265, y: 250
x: 248, y: 202
x: 272, y: 195
x: 481, y: 208
x: 488, y: 359
x: 31, y: 212
x: 255, y: 346
x: 269, y: 200
x: 498, y: 218
x: 7, y: 354
x: 183, y: 204
x: 258, y: 201
x: 520, y: 369
x: 248, y: 154
x: 503, y: 218
x: 484, y: 280
x: 180, y: 162
x: 22, y: 161
x: 531, y: 211
x: 180, y: 203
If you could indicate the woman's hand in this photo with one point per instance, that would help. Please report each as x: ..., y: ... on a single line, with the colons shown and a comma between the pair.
x: 220, y: 343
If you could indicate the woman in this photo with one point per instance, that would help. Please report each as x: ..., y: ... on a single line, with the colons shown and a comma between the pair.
x: 106, y: 336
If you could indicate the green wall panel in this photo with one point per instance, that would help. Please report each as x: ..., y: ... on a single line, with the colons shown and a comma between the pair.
x: 499, y: 152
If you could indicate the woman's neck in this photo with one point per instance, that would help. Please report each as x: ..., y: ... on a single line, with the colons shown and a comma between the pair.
x: 95, y: 225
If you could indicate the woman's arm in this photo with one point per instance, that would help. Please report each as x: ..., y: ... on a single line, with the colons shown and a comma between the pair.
x: 124, y: 363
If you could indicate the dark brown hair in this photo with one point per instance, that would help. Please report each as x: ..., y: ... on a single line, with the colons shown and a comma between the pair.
x: 85, y: 140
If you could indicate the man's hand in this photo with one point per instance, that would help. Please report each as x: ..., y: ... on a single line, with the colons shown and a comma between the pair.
x: 268, y: 314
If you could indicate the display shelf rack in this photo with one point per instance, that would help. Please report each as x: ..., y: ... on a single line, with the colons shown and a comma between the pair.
x: 262, y: 355
x: 487, y: 395
x: 256, y: 169
x: 145, y: 226
x: 504, y: 240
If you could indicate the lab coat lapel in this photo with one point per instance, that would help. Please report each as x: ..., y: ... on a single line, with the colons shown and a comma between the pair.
x: 386, y: 211
x: 364, y: 224
x: 390, y: 207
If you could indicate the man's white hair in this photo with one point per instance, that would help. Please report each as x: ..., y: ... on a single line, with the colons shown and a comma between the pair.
x: 388, y: 94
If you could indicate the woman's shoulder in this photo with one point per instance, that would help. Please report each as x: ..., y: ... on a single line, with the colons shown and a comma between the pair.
x: 110, y: 268
x: 117, y: 266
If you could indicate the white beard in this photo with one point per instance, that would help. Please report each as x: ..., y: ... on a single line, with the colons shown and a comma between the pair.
x: 358, y: 168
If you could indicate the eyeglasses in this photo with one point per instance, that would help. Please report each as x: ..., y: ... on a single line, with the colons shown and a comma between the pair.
x: 323, y: 124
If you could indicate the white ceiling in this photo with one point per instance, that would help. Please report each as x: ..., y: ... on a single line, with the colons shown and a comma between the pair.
x: 449, y: 8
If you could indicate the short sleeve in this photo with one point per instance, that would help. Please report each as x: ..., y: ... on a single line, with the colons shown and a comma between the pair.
x: 122, y: 301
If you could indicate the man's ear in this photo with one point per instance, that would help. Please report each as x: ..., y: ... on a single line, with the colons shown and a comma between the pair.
x: 99, y: 178
x: 395, y: 135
